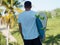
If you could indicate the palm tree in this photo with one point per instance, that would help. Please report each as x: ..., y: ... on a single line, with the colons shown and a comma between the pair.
x: 0, y: 15
x: 53, y: 40
x: 12, y: 5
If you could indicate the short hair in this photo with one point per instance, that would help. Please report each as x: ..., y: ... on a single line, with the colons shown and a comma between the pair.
x: 27, y: 4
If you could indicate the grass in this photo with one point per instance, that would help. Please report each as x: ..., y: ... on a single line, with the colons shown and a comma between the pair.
x: 53, y: 26
x: 52, y: 33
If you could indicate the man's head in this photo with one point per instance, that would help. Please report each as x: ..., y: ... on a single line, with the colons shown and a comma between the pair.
x: 27, y: 5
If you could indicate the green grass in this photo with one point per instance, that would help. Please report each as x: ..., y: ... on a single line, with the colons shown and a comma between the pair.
x: 53, y: 27
x: 52, y: 33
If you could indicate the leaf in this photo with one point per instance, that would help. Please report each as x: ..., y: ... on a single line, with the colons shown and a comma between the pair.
x: 43, y: 28
x: 9, y: 1
x: 16, y: 3
x: 5, y: 4
x: 37, y: 16
x: 42, y: 18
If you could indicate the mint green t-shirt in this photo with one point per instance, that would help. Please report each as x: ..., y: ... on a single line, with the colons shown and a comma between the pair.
x: 28, y: 23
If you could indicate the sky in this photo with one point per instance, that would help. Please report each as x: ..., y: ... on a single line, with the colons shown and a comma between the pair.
x: 44, y: 5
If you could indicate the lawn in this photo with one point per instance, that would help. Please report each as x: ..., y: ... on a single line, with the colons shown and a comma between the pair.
x: 53, y: 27
x: 52, y: 33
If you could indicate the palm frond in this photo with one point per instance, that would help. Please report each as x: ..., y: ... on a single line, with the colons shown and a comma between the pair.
x: 9, y: 1
x: 5, y: 4
x: 16, y: 3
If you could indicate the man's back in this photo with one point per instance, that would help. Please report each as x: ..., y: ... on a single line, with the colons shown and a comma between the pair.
x: 28, y: 23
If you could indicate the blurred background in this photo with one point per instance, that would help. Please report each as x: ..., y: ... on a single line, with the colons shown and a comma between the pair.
x: 9, y: 11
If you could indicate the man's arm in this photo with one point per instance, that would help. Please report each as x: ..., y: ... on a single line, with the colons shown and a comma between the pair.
x: 20, y: 30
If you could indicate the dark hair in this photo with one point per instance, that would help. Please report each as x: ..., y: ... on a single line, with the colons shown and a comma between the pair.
x: 27, y: 4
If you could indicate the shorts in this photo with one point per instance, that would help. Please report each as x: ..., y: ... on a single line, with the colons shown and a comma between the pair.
x: 33, y: 42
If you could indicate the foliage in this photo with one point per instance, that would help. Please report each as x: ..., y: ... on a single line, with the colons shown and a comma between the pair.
x: 13, y: 43
x: 57, y: 12
x: 52, y: 40
x: 2, y: 39
x: 52, y: 33
x: 48, y: 14
x: 11, y: 18
x: 0, y: 15
x: 11, y: 3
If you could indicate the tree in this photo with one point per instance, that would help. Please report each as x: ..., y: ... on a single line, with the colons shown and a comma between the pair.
x: 0, y: 15
x: 11, y: 5
x: 57, y: 11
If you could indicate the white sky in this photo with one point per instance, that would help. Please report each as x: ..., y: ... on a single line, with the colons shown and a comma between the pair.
x: 41, y: 5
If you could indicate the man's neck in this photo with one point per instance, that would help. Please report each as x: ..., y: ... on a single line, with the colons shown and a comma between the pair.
x: 27, y: 9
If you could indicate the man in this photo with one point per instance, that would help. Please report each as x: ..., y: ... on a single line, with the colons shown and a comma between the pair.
x: 27, y: 26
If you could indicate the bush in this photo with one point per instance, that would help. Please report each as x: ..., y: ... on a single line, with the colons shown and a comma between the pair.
x: 2, y: 39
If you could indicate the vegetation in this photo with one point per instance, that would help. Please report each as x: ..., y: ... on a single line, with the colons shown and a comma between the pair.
x: 10, y: 16
x: 52, y: 33
x: 53, y: 24
x: 2, y: 39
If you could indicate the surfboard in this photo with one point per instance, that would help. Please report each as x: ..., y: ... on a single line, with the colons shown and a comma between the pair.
x: 41, y: 22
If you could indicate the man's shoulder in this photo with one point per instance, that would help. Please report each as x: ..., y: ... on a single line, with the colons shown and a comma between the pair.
x: 20, y: 14
x: 24, y: 12
x: 33, y: 11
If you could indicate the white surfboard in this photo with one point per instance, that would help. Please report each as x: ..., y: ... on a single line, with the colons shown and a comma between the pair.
x: 43, y: 19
